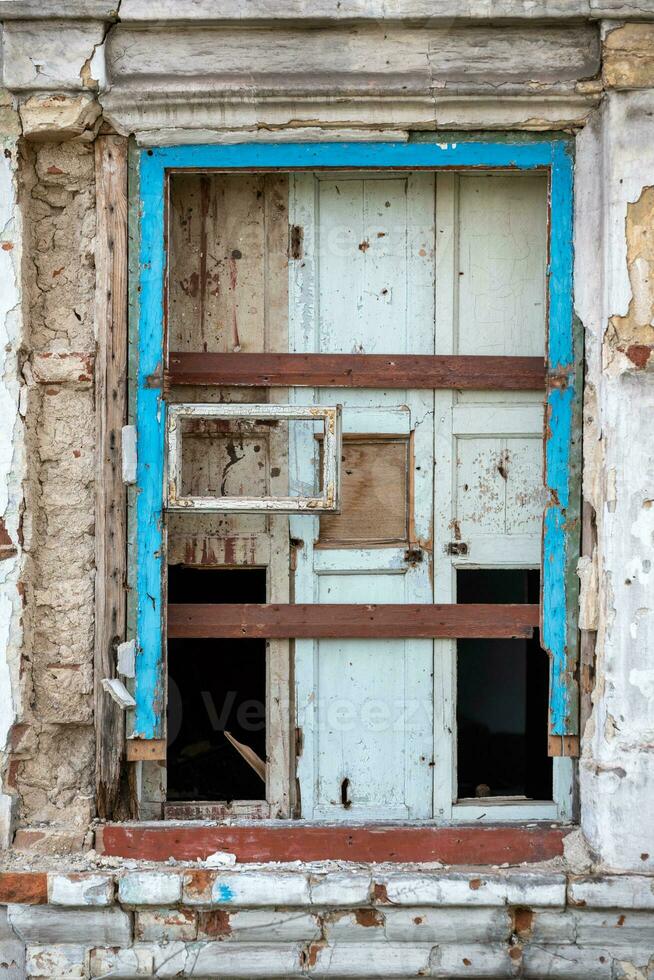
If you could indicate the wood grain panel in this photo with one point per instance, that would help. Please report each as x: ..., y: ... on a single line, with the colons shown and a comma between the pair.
x: 374, y: 494
x: 111, y: 403
x: 356, y: 371
x: 392, y: 620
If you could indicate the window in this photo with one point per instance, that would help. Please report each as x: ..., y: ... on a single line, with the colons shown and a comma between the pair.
x: 423, y: 289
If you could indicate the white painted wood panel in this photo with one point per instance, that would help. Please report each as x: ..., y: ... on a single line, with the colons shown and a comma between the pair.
x: 365, y: 708
x: 502, y: 252
x: 415, y: 263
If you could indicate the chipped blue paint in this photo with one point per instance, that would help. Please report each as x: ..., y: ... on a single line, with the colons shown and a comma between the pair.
x: 222, y: 892
x: 561, y: 520
x: 149, y: 715
x: 149, y: 681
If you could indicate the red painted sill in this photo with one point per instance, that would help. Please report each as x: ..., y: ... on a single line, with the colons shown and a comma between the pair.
x: 464, y: 845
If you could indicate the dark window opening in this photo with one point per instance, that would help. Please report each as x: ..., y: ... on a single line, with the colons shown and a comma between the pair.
x: 502, y: 698
x: 215, y: 686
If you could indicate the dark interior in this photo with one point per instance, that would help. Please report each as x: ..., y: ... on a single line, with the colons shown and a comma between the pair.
x: 502, y: 698
x: 215, y: 686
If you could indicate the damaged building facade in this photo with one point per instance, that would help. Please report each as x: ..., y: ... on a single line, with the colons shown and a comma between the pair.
x: 327, y: 489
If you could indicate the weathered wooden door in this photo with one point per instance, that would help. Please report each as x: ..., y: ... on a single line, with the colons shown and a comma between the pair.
x: 362, y: 281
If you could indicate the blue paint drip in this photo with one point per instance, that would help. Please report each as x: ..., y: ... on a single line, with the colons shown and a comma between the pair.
x: 222, y: 892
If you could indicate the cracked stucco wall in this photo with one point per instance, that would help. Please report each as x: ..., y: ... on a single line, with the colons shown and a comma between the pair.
x: 50, y: 769
x: 614, y: 287
x: 12, y: 452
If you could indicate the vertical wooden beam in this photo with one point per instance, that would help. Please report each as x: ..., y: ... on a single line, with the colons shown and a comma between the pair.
x: 562, y: 519
x: 111, y: 404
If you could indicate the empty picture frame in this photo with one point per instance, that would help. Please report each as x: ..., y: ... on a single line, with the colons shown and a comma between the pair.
x: 328, y: 501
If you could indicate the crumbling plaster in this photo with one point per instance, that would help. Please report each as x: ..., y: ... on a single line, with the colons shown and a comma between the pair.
x: 49, y: 765
x: 614, y: 293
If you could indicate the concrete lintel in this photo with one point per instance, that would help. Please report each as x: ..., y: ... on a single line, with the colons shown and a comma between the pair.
x: 196, y: 118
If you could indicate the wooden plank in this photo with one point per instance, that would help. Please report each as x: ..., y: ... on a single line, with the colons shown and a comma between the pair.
x: 146, y: 750
x: 356, y: 371
x: 563, y: 745
x: 111, y: 402
x: 314, y: 620
x: 562, y: 516
x: 202, y: 810
x: 462, y: 845
x: 374, y: 494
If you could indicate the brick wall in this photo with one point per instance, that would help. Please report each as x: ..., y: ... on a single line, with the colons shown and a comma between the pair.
x: 345, y: 922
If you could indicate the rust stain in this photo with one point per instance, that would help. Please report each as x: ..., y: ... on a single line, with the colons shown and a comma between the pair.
x: 205, y: 188
x: 515, y: 953
x: 198, y: 884
x: 191, y: 285
x: 7, y: 246
x: 368, y: 918
x: 214, y: 924
x: 379, y: 893
x: 364, y: 245
x: 475, y: 884
x: 522, y: 921
x: 309, y: 955
x: 54, y: 170
x: 621, y: 920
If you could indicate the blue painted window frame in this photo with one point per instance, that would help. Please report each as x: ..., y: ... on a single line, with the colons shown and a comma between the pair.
x: 561, y: 524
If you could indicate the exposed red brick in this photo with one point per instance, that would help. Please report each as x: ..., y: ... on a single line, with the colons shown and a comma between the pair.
x: 198, y: 884
x: 7, y: 246
x: 7, y: 546
x: 515, y: 953
x: 639, y: 354
x: 475, y: 884
x: 11, y: 779
x: 368, y: 917
x: 523, y: 921
x: 23, y: 888
x: 54, y: 170
x: 214, y: 924
x: 309, y: 956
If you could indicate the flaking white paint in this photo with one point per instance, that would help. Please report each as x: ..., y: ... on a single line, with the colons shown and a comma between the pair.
x: 11, y: 453
x: 615, y: 162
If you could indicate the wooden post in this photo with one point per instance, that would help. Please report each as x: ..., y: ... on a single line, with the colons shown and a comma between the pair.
x: 111, y: 403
